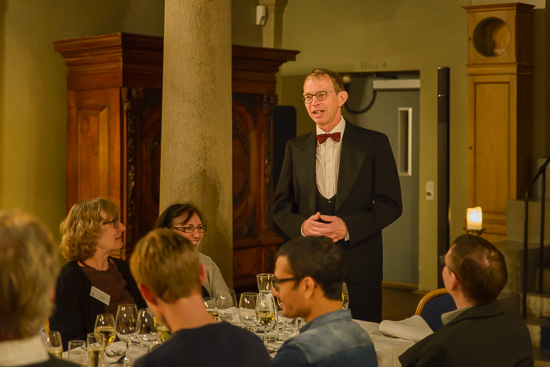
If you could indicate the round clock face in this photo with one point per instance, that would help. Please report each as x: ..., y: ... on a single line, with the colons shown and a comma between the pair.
x: 491, y: 37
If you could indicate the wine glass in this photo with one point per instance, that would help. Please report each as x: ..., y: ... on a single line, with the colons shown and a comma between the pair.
x: 210, y: 305
x: 105, y: 324
x: 226, y: 302
x: 53, y: 344
x: 126, y: 325
x: 76, y: 352
x: 247, y: 309
x: 147, y: 328
x: 345, y: 296
x: 265, y: 312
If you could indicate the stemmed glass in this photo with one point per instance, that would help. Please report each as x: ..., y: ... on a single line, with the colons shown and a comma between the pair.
x: 126, y: 325
x: 105, y: 324
x: 247, y: 309
x: 53, y: 344
x: 147, y: 329
x: 265, y: 312
x: 210, y: 305
x: 345, y: 296
x: 226, y: 302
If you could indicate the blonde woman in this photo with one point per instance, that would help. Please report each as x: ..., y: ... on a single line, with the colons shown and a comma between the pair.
x: 91, y: 282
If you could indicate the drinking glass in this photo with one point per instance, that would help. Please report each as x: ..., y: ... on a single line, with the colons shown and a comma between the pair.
x: 163, y: 332
x: 147, y: 328
x: 226, y: 302
x: 126, y: 325
x: 345, y: 296
x: 247, y: 309
x: 265, y: 313
x: 96, y: 349
x: 210, y: 305
x: 105, y: 324
x: 265, y: 282
x: 53, y: 344
x: 77, y: 352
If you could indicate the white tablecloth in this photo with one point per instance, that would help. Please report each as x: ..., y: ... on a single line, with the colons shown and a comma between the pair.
x: 387, y: 349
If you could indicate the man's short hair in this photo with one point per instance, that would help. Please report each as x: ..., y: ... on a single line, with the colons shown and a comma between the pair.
x: 82, y: 227
x: 480, y: 268
x: 319, y: 258
x: 29, y: 264
x: 167, y: 264
x: 337, y: 81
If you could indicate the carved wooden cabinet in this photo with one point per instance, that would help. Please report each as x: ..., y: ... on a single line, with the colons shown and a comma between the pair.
x: 114, y: 86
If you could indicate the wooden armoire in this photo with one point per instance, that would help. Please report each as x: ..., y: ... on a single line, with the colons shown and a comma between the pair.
x: 114, y: 84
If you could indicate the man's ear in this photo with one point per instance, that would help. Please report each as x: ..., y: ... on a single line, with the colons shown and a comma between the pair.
x: 147, y: 294
x: 309, y: 286
x: 342, y: 98
x: 455, y: 283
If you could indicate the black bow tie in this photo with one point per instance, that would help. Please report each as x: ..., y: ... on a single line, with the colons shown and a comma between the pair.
x: 321, y: 138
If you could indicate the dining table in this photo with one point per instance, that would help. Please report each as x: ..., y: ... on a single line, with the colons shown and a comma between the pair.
x: 387, y: 348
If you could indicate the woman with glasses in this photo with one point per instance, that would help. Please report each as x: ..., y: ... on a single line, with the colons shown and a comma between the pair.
x: 187, y: 221
x: 91, y: 282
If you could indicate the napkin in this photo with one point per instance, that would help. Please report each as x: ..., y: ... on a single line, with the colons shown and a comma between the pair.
x: 414, y: 328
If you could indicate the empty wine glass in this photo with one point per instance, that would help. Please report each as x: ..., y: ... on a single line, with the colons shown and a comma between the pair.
x: 247, y: 309
x: 265, y: 313
x: 345, y: 296
x: 226, y: 302
x: 105, y: 324
x: 126, y: 325
x: 147, y: 328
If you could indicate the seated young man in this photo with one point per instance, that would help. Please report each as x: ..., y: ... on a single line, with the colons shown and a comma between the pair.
x: 169, y: 276
x: 308, y: 280
x: 29, y: 265
x: 480, y: 332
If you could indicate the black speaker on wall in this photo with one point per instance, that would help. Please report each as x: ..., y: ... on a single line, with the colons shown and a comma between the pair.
x: 443, y: 172
x: 284, y: 129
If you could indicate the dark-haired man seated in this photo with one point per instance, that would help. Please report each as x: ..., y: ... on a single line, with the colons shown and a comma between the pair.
x: 480, y: 332
x: 169, y: 276
x: 308, y: 279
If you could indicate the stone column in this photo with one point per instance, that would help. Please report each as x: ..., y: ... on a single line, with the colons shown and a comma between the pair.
x: 196, y: 149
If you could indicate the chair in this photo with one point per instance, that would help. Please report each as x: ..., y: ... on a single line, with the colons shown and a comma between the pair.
x: 433, y: 305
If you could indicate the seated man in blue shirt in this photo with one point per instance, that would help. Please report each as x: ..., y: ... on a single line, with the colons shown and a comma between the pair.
x: 308, y: 280
x: 169, y: 276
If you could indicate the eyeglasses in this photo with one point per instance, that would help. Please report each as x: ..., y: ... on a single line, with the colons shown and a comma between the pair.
x: 276, y: 282
x: 191, y: 228
x: 321, y: 96
x: 114, y: 221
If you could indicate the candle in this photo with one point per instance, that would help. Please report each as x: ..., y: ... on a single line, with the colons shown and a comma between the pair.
x: 474, y: 219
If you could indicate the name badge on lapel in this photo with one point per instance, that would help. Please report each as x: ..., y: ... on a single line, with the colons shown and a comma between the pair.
x: 100, y: 295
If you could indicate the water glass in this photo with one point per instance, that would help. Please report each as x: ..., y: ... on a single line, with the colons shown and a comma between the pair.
x: 265, y: 282
x: 210, y: 305
x: 226, y: 303
x: 77, y: 352
x: 247, y: 309
x: 96, y: 349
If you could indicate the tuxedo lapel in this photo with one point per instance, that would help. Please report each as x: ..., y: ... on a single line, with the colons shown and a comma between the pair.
x: 305, y: 161
x: 351, y: 160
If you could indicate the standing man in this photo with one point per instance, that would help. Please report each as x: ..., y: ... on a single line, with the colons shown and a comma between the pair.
x: 341, y: 182
x: 479, y: 332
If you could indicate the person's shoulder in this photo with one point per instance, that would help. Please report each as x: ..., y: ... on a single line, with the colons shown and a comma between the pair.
x: 301, y: 139
x: 205, y: 259
x: 70, y: 270
x: 356, y: 129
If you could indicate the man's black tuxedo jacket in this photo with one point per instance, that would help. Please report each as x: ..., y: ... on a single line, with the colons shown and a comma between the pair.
x: 368, y: 195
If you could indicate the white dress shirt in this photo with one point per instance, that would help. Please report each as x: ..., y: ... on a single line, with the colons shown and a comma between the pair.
x: 22, y: 352
x: 328, y: 161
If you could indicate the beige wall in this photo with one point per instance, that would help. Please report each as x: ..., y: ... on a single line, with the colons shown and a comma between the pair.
x: 378, y: 35
x: 33, y: 91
